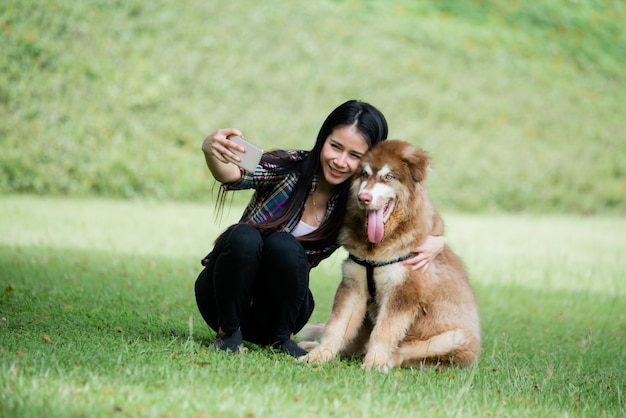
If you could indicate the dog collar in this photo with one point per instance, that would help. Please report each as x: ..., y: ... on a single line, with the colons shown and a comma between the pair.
x: 367, y: 263
x: 369, y: 268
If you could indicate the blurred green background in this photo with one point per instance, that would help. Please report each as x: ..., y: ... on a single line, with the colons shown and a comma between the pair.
x: 521, y: 104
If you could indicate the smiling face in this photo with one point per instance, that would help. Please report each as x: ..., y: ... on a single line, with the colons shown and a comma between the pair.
x: 341, y: 154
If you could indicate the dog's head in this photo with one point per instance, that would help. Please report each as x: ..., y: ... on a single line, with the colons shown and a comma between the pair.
x: 387, y: 184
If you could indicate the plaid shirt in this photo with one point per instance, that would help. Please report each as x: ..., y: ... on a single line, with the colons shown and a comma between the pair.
x: 272, y: 191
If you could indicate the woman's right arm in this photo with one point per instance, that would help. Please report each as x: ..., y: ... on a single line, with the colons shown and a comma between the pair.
x: 215, y: 147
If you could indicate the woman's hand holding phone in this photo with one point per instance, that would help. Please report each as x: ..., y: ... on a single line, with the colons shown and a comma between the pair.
x: 247, y: 155
x: 226, y: 146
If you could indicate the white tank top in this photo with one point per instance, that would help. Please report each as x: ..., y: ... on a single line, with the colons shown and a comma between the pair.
x: 302, y: 229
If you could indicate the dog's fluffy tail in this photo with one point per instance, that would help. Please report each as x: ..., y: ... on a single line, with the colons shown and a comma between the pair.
x: 310, y: 335
x: 312, y: 332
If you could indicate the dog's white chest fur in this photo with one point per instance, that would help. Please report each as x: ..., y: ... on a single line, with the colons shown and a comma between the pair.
x: 389, y: 277
x: 385, y: 277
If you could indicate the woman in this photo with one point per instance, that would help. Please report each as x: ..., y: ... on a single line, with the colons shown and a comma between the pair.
x: 255, y: 284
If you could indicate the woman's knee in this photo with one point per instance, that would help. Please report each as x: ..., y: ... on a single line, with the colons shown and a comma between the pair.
x: 282, y: 243
x: 241, y: 239
x: 283, y: 250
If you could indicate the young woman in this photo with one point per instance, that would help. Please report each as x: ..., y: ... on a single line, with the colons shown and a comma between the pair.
x: 255, y: 284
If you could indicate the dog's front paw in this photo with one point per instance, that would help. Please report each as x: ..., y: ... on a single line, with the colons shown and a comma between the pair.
x: 375, y: 366
x: 396, y: 358
x: 379, y: 361
x: 318, y: 355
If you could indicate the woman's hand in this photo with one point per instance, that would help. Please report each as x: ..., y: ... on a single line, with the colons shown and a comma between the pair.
x: 425, y: 253
x: 215, y: 148
x: 218, y: 144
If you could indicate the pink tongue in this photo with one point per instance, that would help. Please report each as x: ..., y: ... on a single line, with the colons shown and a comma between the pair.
x: 375, y: 226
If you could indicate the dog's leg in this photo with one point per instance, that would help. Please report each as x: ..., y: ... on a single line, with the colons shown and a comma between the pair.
x: 446, y: 344
x: 343, y: 325
x: 395, y: 316
x: 387, y: 334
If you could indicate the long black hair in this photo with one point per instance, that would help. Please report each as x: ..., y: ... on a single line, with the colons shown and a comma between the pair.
x: 371, y: 124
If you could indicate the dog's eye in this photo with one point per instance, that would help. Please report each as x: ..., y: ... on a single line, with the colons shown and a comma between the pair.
x: 389, y: 177
x: 364, y: 174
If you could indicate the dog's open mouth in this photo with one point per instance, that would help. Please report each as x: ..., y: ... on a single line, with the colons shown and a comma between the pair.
x: 376, y: 221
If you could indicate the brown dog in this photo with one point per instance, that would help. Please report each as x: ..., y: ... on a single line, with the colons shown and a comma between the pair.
x: 396, y: 316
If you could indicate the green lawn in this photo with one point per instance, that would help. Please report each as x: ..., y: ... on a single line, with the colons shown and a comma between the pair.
x: 97, y: 318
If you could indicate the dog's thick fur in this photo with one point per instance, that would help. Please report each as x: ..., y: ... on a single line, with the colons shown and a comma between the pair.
x: 416, y: 318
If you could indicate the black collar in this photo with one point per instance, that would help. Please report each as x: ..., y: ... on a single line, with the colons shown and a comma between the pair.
x: 369, y: 268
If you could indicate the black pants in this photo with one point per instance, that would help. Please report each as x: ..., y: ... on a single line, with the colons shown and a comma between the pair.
x: 258, y: 285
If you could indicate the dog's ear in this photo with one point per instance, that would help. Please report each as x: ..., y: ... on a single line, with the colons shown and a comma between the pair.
x: 418, y: 163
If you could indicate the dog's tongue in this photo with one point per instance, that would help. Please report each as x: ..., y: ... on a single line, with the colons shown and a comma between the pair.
x: 375, y: 225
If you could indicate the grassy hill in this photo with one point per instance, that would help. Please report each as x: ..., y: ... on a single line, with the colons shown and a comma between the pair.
x: 521, y: 104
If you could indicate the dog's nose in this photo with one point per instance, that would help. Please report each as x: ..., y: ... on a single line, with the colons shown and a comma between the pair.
x: 365, y: 198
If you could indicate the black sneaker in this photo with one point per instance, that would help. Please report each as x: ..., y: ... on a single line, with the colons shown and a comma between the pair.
x: 229, y: 342
x: 290, y: 347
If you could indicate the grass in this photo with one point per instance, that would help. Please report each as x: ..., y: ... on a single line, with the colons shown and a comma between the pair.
x: 520, y: 103
x: 97, y: 318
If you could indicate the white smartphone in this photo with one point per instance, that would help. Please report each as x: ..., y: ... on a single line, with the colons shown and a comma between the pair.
x: 249, y: 159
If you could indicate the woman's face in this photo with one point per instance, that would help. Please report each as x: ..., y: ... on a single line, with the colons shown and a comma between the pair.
x: 341, y: 154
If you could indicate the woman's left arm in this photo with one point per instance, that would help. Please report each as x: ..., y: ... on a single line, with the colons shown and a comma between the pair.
x: 425, y: 253
x: 428, y: 250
